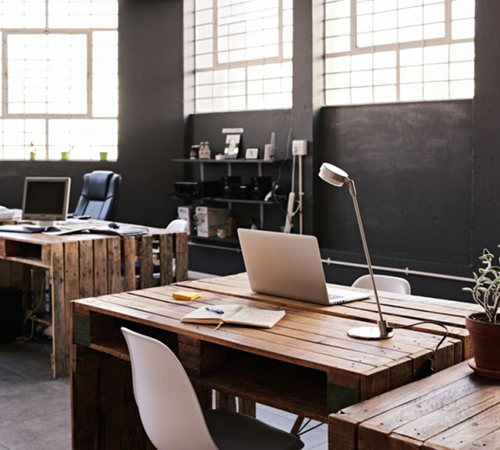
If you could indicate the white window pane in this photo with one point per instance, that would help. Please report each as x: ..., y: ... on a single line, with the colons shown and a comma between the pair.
x: 462, y: 9
x: 365, y: 7
x: 204, y: 77
x: 338, y: 44
x: 339, y: 80
x: 383, y: 21
x: 411, y: 92
x: 362, y: 78
x: 436, y: 54
x: 462, y: 89
x: 409, y: 3
x: 385, y: 37
x: 384, y: 76
x: 237, y: 103
x: 384, y: 94
x: 340, y: 64
x: 364, y: 40
x: 434, y: 31
x: 411, y: 74
x: 362, y: 95
x: 364, y: 24
x: 462, y: 29
x: 384, y: 5
x: 410, y: 34
x: 339, y: 27
x: 338, y: 97
x: 462, y: 52
x: 362, y: 62
x: 436, y: 91
x: 384, y: 59
x: 436, y: 72
x: 338, y: 9
x: 434, y: 13
x: 462, y: 71
x: 256, y: 102
x: 410, y: 17
x: 411, y: 57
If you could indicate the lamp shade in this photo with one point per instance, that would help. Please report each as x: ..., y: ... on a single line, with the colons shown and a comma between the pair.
x: 332, y: 174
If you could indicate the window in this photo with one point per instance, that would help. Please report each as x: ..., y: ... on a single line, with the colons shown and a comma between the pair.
x: 398, y: 50
x: 243, y: 54
x: 59, y: 78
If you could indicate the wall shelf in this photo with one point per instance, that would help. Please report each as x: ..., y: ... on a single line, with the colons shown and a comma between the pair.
x: 227, y: 161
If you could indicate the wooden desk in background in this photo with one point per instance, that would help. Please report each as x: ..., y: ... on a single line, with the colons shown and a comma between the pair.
x: 306, y: 364
x: 86, y: 265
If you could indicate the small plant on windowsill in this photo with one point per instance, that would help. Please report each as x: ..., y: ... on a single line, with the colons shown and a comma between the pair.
x: 65, y: 154
x: 484, y: 328
x: 32, y: 152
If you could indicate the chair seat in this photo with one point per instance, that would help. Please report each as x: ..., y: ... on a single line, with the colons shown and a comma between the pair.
x: 231, y: 431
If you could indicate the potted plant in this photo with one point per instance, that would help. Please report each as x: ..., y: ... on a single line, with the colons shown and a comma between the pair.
x: 65, y: 154
x: 32, y: 152
x: 484, y: 327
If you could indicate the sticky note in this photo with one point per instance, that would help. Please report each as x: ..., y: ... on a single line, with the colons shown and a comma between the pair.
x: 182, y: 295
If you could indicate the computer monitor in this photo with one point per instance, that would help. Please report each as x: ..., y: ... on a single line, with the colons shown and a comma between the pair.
x: 46, y: 199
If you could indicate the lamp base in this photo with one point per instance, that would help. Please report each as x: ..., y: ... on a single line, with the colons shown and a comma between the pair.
x: 369, y: 333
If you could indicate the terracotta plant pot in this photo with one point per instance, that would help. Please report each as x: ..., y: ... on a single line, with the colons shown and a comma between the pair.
x: 485, y: 341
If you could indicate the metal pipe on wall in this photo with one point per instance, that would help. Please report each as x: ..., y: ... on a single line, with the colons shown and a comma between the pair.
x: 406, y: 270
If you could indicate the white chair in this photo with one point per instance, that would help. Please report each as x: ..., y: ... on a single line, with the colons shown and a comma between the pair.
x: 177, y: 226
x: 172, y: 416
x: 384, y: 283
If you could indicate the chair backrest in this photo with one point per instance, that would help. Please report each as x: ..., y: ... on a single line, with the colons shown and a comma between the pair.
x: 100, y: 194
x: 168, y: 406
x: 384, y: 283
x: 177, y: 226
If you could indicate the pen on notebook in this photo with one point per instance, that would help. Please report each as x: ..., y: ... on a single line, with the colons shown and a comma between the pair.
x: 215, y: 310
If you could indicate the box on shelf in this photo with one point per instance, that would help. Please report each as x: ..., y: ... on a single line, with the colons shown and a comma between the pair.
x: 186, y: 213
x: 209, y: 220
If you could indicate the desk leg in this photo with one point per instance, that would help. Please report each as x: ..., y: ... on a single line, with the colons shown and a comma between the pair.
x: 60, y: 332
x: 103, y: 411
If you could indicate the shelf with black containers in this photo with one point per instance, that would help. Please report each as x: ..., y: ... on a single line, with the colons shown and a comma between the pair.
x: 227, y: 189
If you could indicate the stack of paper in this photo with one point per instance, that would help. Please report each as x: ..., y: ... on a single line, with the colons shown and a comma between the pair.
x: 6, y: 213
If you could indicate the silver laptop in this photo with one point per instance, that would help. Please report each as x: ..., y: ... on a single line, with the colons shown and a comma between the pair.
x: 289, y: 265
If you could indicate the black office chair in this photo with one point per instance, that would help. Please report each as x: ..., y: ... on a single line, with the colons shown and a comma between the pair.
x: 100, y: 194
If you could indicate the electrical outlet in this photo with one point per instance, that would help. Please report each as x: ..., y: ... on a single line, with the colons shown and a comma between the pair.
x: 299, y: 148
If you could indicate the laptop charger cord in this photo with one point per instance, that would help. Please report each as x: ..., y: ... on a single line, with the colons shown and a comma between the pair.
x: 428, y: 368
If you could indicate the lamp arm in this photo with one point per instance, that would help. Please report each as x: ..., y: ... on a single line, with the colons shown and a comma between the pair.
x: 352, y: 189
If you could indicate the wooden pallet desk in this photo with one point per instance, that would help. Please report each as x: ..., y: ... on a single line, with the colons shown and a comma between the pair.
x: 398, y: 310
x: 454, y: 409
x: 306, y: 364
x: 86, y: 265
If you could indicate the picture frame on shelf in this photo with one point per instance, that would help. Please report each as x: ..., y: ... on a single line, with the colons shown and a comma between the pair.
x: 232, y: 146
x: 252, y: 153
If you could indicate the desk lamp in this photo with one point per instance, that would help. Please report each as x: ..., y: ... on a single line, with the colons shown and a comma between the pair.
x: 337, y: 177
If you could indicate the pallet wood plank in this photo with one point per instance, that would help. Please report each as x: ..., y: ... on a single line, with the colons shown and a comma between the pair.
x: 146, y: 262
x: 181, y: 256
x: 129, y: 259
x: 100, y: 267
x: 166, y: 258
x: 114, y: 264
x: 86, y: 269
x: 59, y: 322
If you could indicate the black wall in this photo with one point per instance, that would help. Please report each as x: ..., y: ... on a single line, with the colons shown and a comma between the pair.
x: 150, y: 119
x: 427, y: 173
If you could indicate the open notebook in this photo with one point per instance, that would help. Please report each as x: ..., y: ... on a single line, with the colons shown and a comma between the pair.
x: 234, y: 314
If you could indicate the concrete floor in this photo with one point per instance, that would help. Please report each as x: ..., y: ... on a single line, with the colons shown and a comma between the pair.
x: 35, y: 409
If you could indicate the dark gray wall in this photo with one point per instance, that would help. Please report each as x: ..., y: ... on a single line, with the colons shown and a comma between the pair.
x: 150, y: 118
x: 426, y: 172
